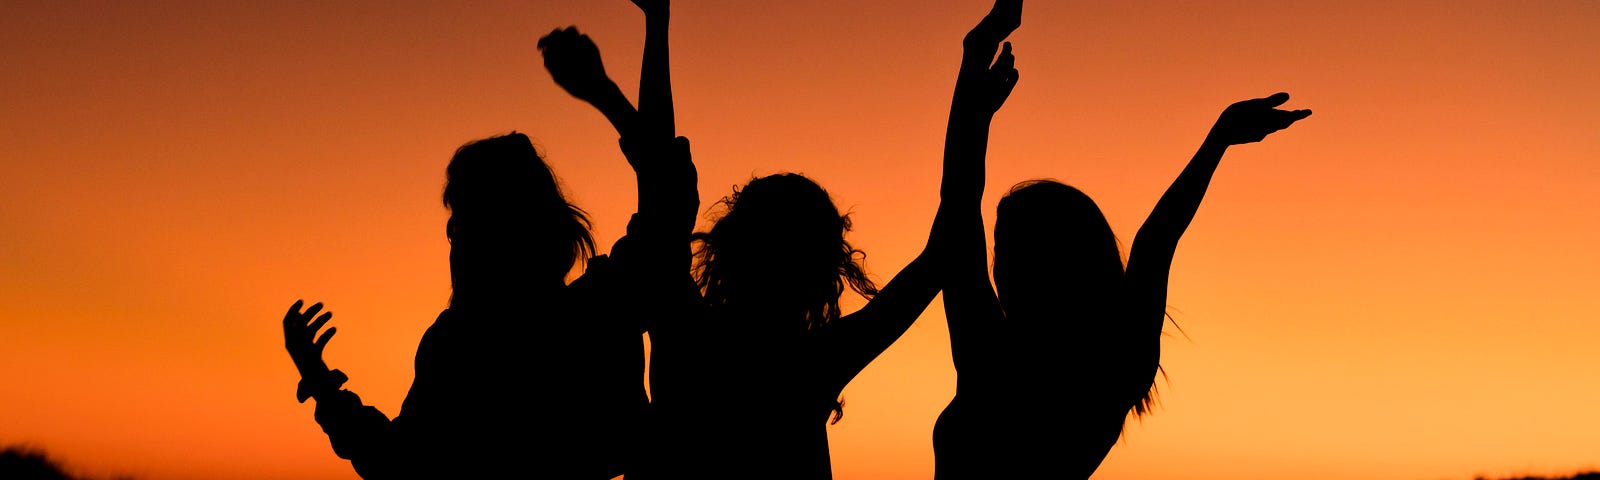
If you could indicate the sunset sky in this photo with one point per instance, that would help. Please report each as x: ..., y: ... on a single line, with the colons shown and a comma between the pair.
x: 1401, y: 286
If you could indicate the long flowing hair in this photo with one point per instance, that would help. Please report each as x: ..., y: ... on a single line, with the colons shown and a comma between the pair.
x: 1058, y: 261
x: 508, y: 216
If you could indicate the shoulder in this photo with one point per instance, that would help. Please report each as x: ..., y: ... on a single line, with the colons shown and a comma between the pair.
x: 445, y: 321
x: 440, y: 332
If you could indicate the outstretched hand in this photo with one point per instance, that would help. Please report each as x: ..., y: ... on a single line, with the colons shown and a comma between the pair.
x: 301, y: 339
x: 1249, y: 121
x: 574, y: 62
x: 1003, y: 18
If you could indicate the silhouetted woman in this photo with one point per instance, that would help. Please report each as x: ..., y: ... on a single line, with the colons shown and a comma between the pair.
x: 530, y: 377
x: 1050, y: 367
x: 748, y: 358
x: 750, y: 355
x: 525, y: 375
x: 522, y: 374
x: 743, y: 385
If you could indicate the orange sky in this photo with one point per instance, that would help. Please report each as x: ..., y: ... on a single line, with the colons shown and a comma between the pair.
x: 1399, y: 287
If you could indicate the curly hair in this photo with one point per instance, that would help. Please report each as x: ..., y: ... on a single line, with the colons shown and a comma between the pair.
x: 789, y: 219
x: 780, y: 240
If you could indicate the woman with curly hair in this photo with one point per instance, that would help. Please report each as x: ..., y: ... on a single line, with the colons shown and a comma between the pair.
x: 746, y: 381
x: 749, y: 350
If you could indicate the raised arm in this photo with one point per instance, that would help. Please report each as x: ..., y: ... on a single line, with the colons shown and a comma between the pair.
x: 655, y: 78
x: 666, y: 176
x: 654, y: 254
x: 982, y: 86
x: 1150, y: 260
x: 574, y: 63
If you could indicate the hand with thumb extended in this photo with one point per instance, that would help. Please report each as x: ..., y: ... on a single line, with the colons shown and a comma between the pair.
x: 1250, y: 121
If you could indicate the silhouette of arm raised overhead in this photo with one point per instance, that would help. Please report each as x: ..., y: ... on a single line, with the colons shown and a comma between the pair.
x: 666, y: 177
x: 1150, y: 259
x: 655, y: 79
x: 574, y: 63
x: 667, y: 180
x: 980, y: 91
x: 981, y: 88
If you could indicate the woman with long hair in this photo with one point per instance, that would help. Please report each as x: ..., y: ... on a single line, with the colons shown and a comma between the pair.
x: 1051, y: 365
x: 524, y: 374
x: 513, y: 239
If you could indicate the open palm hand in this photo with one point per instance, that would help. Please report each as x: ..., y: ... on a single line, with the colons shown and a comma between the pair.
x: 1250, y: 121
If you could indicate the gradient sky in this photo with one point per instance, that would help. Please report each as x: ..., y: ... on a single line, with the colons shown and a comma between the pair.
x: 1399, y: 287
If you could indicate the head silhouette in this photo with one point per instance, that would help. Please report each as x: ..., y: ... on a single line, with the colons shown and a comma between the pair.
x: 779, y: 247
x: 1058, y: 268
x: 509, y: 223
x: 1054, y: 253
